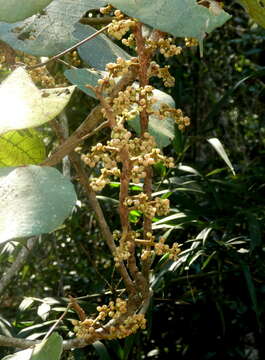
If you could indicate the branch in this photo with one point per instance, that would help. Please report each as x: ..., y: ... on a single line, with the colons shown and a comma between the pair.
x: 17, y: 264
x: 96, y: 21
x: 25, y: 344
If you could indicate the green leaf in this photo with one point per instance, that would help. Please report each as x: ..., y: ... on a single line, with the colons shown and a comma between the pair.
x: 99, y: 51
x: 33, y: 200
x: 16, y: 10
x: 255, y: 9
x: 101, y: 350
x: 83, y: 77
x: 33, y: 107
x: 181, y: 18
x: 50, y: 348
x: 52, y: 31
x: 21, y: 147
x: 218, y: 147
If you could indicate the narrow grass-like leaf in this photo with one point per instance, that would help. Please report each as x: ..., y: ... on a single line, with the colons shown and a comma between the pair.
x: 217, y: 145
x: 101, y: 350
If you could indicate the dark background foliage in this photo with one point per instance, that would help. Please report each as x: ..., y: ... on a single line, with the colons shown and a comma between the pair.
x: 210, y: 303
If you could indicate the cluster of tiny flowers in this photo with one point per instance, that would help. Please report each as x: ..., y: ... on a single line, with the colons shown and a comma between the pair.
x: 142, y: 153
x: 161, y: 248
x: 189, y: 42
x: 122, y: 252
x: 121, y: 66
x: 177, y: 114
x: 130, y: 41
x: 120, y: 25
x: 87, y: 328
x: 165, y: 47
x: 131, y: 102
x: 148, y: 207
x: 162, y: 73
x: 130, y: 326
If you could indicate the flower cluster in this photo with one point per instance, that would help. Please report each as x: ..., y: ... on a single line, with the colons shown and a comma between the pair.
x: 142, y: 152
x: 114, y: 310
x: 120, y: 27
x: 161, y: 248
x: 165, y: 46
x: 148, y: 207
x: 177, y: 114
x: 162, y: 73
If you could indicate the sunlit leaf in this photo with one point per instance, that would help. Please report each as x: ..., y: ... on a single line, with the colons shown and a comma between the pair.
x: 33, y: 200
x: 43, y: 310
x: 21, y: 147
x: 20, y: 355
x: 33, y: 107
x: 217, y: 145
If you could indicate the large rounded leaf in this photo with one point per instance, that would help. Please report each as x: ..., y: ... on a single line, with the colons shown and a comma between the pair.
x: 33, y: 200
x: 23, y: 105
x: 181, y: 18
x: 52, y: 31
x: 16, y: 10
x: 21, y: 147
x: 99, y: 51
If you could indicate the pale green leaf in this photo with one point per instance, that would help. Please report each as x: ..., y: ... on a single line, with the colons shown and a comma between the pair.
x: 255, y: 9
x: 33, y: 200
x: 83, y: 77
x: 217, y: 145
x: 50, y: 348
x: 52, y: 31
x: 22, y: 147
x: 33, y: 107
x: 16, y: 10
x: 181, y: 18
x: 99, y: 51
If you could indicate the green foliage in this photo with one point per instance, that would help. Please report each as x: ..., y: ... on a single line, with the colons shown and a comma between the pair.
x: 50, y: 32
x: 256, y: 9
x: 43, y: 196
x: 14, y: 10
x: 21, y: 148
x: 100, y: 51
x: 181, y: 18
x: 207, y: 303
